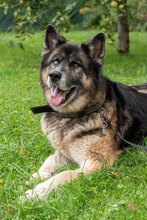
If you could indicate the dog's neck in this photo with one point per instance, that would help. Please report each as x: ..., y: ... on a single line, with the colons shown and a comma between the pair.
x: 47, y: 108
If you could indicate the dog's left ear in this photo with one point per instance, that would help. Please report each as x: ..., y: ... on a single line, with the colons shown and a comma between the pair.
x: 96, y: 46
x: 52, y: 39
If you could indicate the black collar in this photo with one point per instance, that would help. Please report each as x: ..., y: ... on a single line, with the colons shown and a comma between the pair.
x: 47, y: 108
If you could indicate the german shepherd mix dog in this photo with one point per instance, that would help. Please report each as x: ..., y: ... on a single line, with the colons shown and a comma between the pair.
x: 81, y: 98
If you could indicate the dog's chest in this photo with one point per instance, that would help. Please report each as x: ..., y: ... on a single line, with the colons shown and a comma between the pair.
x: 72, y: 137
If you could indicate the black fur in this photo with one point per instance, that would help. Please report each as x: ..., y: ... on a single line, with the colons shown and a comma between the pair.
x: 128, y: 100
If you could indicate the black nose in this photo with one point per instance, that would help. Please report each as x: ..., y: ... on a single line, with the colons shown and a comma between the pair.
x: 55, y: 75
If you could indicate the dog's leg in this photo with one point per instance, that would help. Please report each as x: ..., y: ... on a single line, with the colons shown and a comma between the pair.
x: 93, y: 162
x: 43, y: 189
x: 51, y: 164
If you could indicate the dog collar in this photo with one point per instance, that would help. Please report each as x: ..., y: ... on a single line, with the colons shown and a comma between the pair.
x: 47, y: 108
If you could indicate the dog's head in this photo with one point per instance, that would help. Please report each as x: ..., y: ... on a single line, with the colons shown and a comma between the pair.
x: 71, y: 75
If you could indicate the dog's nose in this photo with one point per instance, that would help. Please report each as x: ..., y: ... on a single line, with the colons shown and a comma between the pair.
x: 55, y: 75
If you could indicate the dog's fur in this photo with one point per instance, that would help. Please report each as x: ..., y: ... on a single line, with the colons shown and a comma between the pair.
x: 80, y: 140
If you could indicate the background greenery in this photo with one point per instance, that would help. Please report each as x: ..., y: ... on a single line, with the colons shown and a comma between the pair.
x: 116, y: 193
x: 25, y: 16
x: 84, y: 13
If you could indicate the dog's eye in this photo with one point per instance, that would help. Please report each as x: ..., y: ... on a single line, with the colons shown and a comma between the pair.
x: 75, y: 65
x: 56, y: 62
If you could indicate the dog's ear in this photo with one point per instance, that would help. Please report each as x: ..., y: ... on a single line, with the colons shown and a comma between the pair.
x: 52, y: 39
x: 96, y: 46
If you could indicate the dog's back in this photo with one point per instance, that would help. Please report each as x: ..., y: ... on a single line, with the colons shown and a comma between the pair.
x: 132, y: 107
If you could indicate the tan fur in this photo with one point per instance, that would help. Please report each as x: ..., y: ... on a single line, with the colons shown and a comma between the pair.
x: 45, y: 76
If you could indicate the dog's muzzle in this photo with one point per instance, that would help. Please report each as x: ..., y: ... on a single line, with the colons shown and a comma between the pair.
x: 60, y: 93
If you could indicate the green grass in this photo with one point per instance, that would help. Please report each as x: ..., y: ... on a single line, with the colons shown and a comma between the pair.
x: 105, y: 194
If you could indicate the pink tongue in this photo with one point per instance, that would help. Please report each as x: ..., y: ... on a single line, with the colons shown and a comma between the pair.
x: 57, y: 97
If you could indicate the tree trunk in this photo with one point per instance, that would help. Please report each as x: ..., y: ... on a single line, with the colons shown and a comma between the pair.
x: 123, y: 28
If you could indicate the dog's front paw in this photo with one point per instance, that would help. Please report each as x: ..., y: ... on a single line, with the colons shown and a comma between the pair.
x: 39, y: 192
x: 28, y: 196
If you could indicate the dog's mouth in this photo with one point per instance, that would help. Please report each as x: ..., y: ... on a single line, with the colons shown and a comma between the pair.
x: 60, y: 97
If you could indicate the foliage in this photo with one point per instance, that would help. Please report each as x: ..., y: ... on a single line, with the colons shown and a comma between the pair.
x: 115, y: 193
x: 62, y: 12
x: 59, y: 12
x: 137, y: 13
x: 105, y: 13
x: 26, y: 13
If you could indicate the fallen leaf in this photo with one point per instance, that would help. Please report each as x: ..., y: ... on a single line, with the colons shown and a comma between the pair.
x: 95, y: 201
x: 27, y: 152
x: 115, y: 174
x: 132, y: 207
x: 132, y: 175
x: 94, y: 190
x: 21, y: 152
x: 139, y: 72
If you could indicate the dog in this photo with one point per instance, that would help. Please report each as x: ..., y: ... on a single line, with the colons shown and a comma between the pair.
x: 81, y: 98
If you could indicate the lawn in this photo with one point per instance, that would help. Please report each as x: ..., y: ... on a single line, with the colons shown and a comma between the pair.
x: 119, y: 192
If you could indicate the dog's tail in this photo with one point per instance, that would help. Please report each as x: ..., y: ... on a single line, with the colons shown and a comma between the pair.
x: 140, y: 87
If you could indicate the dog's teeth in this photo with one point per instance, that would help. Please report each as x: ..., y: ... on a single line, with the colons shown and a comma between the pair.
x: 52, y: 90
